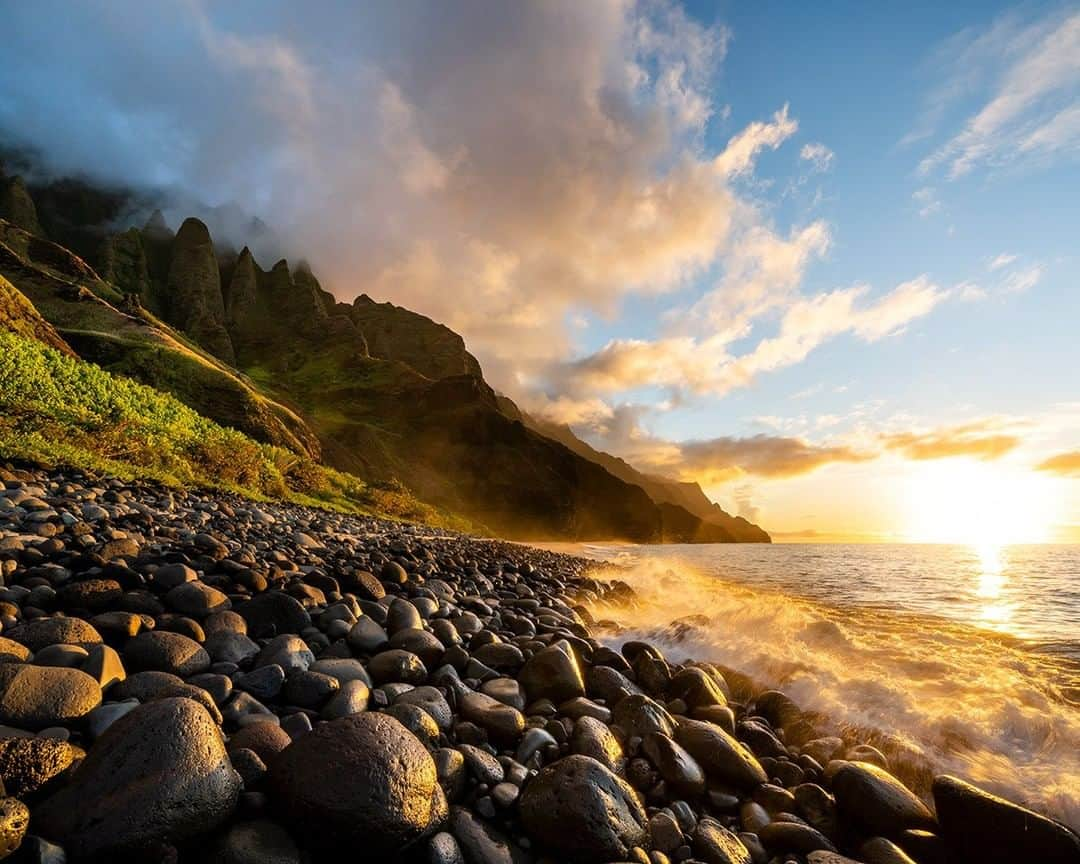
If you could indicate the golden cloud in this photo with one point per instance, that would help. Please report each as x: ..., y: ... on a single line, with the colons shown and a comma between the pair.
x: 1063, y: 464
x: 983, y: 439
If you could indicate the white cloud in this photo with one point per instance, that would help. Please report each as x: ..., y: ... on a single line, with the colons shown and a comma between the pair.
x: 927, y: 200
x: 1023, y: 280
x: 818, y: 155
x: 705, y: 366
x: 1034, y: 107
x: 999, y: 261
x: 742, y: 150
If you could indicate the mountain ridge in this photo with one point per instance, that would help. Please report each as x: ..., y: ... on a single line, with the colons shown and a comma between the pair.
x: 374, y: 389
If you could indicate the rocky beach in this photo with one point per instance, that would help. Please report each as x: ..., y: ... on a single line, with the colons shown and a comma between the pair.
x: 196, y: 677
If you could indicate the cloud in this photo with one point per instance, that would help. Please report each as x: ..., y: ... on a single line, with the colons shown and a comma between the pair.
x: 1063, y: 464
x: 713, y: 461
x: 1002, y: 260
x: 981, y: 439
x: 1033, y: 108
x: 1023, y: 280
x: 718, y: 459
x: 499, y: 167
x: 926, y: 198
x: 818, y: 155
x: 742, y: 150
x: 705, y: 366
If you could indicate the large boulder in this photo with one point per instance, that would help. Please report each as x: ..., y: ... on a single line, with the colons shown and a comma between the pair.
x: 872, y: 798
x: 362, y: 781
x: 158, y: 774
x: 581, y: 810
x: 978, y: 826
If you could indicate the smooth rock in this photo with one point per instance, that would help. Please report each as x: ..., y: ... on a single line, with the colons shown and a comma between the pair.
x: 362, y: 781
x: 34, y: 697
x: 872, y: 798
x: 978, y: 826
x: 580, y: 809
x: 161, y: 651
x: 159, y: 774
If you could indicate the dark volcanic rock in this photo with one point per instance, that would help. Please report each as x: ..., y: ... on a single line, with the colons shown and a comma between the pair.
x: 978, y: 826
x: 552, y: 673
x: 29, y: 765
x: 33, y: 697
x: 195, y: 302
x: 42, y: 632
x: 720, y: 755
x: 579, y: 809
x: 873, y: 798
x: 14, y: 820
x: 160, y: 651
x: 362, y: 781
x: 158, y: 774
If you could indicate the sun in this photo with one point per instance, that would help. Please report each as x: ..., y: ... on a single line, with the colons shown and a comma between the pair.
x: 983, y: 504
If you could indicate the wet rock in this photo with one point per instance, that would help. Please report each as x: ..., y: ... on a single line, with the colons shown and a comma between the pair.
x: 552, y: 673
x: 361, y: 781
x: 639, y: 715
x: 878, y: 850
x: 872, y: 798
x: 482, y: 842
x: 715, y: 844
x: 159, y: 774
x: 696, y: 688
x: 720, y: 754
x: 678, y: 768
x: 580, y: 809
x: 780, y: 837
x: 503, y: 723
x: 595, y: 739
x: 978, y: 826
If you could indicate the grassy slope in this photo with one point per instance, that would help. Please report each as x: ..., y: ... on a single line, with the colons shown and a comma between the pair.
x: 60, y: 411
x: 82, y: 307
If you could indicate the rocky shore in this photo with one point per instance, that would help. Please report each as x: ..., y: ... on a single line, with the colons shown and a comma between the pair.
x: 190, y: 677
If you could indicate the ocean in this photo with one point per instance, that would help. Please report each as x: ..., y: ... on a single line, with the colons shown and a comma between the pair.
x: 956, y: 659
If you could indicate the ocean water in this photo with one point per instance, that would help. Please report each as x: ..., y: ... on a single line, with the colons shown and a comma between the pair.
x: 952, y: 659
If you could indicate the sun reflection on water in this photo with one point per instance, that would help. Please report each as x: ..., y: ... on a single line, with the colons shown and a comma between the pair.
x: 992, y: 580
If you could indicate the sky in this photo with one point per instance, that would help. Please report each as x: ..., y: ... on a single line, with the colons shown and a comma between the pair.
x: 821, y: 258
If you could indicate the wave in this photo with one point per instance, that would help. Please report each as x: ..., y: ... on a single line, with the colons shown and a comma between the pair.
x: 938, y: 696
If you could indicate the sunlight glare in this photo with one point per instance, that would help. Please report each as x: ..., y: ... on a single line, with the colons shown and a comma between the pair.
x: 985, y: 505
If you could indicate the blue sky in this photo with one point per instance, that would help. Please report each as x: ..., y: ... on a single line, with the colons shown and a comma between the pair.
x: 820, y: 257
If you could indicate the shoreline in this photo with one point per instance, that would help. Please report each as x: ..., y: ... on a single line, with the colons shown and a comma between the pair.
x: 292, y: 681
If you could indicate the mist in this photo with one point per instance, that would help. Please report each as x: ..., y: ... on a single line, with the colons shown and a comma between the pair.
x: 494, y: 166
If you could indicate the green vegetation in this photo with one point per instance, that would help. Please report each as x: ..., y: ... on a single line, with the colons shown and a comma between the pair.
x: 56, y: 410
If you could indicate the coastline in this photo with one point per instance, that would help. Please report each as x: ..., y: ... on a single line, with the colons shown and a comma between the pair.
x: 291, y: 679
